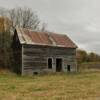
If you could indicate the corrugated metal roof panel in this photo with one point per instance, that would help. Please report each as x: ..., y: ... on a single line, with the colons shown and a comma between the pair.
x: 21, y: 39
x: 63, y: 40
x: 27, y: 36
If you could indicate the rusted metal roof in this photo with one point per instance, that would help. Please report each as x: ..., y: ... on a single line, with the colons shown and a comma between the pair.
x: 27, y: 36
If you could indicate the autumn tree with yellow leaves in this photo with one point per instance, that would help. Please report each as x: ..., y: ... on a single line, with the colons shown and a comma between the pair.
x: 5, y: 42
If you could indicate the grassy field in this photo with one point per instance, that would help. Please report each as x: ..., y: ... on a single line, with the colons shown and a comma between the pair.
x: 72, y: 86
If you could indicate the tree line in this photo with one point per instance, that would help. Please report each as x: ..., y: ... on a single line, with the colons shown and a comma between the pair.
x: 84, y: 56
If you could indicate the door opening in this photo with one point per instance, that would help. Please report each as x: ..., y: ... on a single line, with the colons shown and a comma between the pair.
x: 49, y: 63
x: 68, y: 68
x: 58, y: 64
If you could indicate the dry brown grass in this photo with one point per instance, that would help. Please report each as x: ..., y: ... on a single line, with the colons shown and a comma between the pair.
x: 73, y: 86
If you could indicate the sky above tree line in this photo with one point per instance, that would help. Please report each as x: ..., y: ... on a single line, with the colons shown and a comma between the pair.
x: 79, y: 19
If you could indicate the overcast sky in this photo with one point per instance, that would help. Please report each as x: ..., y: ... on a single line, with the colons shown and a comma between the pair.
x: 79, y: 19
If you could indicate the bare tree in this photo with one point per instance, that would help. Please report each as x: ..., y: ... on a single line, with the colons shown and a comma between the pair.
x: 24, y: 17
x: 43, y: 27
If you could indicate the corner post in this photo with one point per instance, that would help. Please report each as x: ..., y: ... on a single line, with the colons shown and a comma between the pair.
x: 22, y: 72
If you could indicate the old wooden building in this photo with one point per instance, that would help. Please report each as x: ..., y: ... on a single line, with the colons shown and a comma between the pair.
x: 37, y: 52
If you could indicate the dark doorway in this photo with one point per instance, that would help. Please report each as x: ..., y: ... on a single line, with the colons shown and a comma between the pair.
x: 58, y: 64
x: 50, y: 63
x: 68, y: 68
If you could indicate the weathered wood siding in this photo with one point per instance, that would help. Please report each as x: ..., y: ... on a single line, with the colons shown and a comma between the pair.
x: 34, y: 58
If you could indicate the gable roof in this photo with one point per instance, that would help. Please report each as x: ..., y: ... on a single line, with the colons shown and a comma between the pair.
x: 27, y: 36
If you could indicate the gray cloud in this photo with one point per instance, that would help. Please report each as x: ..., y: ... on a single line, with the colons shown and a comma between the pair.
x: 80, y: 19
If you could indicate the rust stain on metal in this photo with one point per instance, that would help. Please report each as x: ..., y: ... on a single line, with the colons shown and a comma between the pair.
x: 43, y: 38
